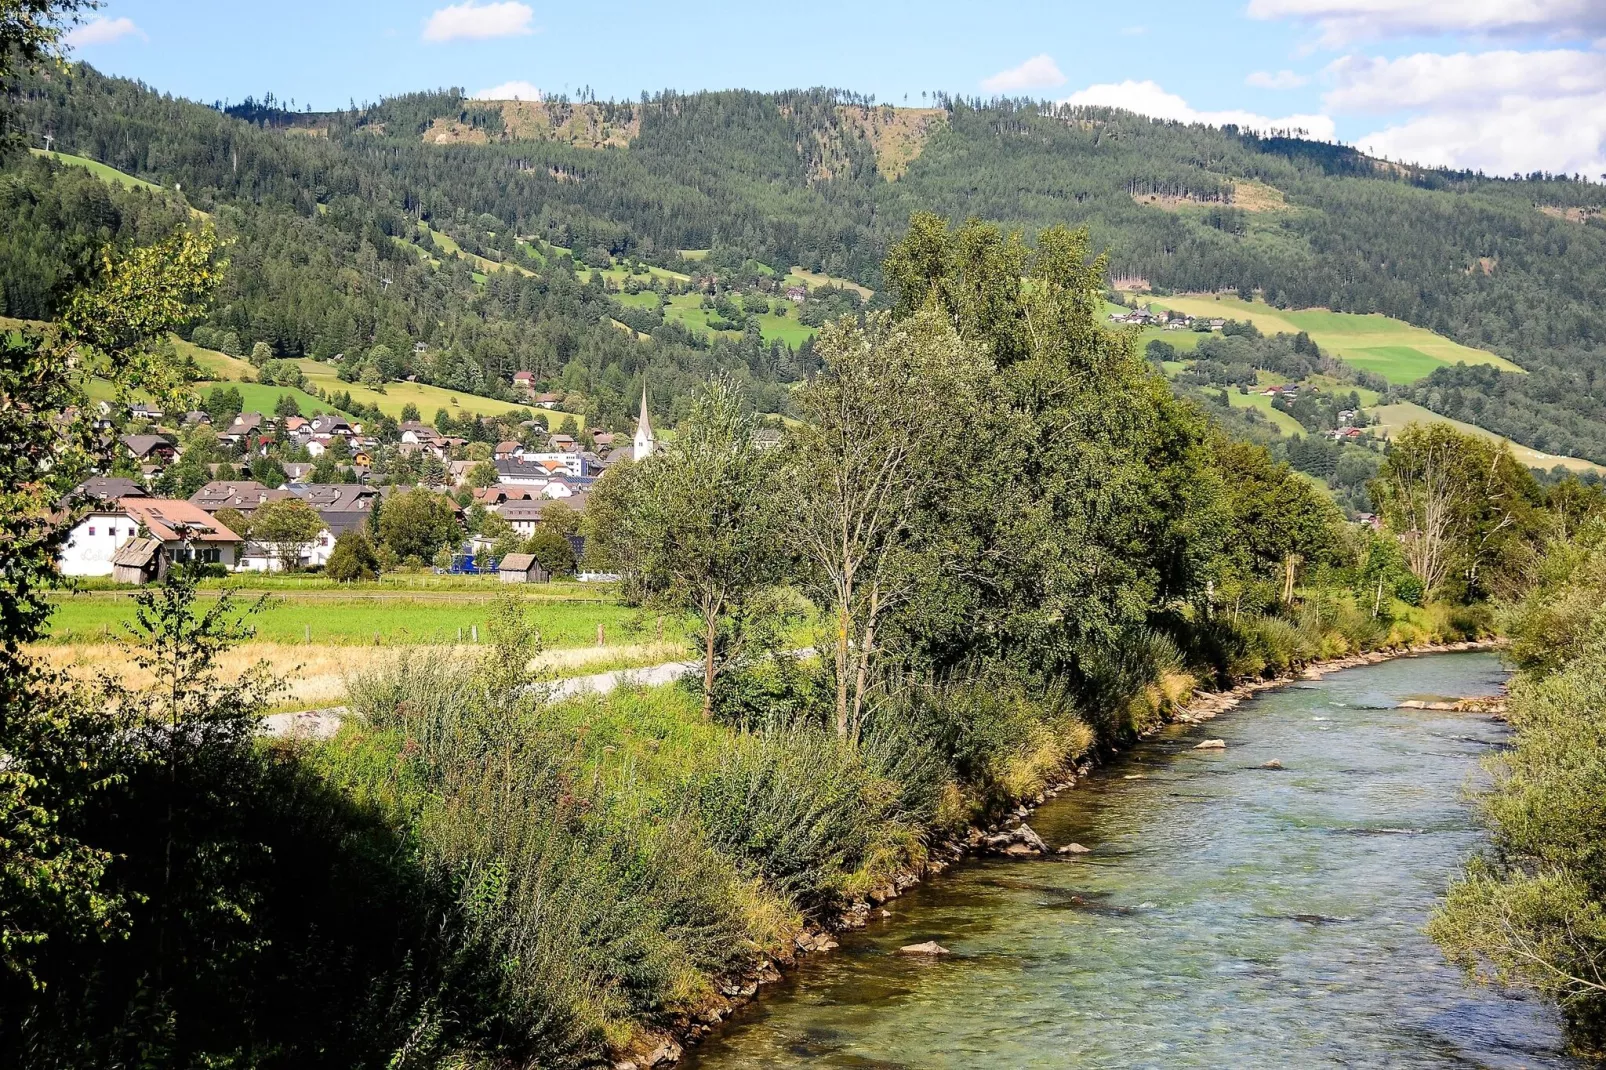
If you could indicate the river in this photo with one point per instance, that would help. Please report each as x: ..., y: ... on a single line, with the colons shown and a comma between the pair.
x: 1228, y: 915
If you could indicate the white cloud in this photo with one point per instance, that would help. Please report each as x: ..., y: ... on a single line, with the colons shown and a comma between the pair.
x: 471, y: 21
x: 1039, y: 72
x: 1532, y: 135
x: 1280, y: 80
x: 1464, y: 81
x: 103, y: 31
x: 1499, y: 111
x: 1342, y: 21
x: 516, y: 90
x: 1148, y: 98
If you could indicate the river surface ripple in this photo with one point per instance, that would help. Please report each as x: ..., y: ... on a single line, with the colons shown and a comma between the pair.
x: 1229, y: 915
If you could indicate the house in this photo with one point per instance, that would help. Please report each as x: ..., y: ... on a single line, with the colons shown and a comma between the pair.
x: 525, y: 473
x: 242, y: 427
x: 293, y: 424
x: 797, y: 294
x: 140, y: 410
x: 524, y: 382
x: 328, y: 426
x: 179, y: 530
x: 562, y: 443
x: 187, y: 533
x: 107, y: 489
x: 150, y: 449
x: 195, y: 418
x: 244, y: 495
x: 524, y: 516
x: 767, y: 438
x: 547, y: 399
x: 507, y: 450
x: 521, y: 568
x: 297, y: 471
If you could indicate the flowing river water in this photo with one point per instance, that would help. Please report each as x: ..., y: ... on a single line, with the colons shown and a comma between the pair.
x: 1228, y: 915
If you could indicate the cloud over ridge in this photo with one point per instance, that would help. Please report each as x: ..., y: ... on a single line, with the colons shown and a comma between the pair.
x: 473, y: 21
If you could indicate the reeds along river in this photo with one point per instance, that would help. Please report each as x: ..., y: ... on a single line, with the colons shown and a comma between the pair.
x: 1228, y: 916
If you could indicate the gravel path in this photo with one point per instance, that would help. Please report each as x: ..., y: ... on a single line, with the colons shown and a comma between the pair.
x: 324, y: 723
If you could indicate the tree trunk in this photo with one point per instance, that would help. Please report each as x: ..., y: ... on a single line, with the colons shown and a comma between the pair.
x: 710, y: 623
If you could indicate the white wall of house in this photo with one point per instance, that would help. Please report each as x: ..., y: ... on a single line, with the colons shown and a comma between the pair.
x: 93, y: 542
x: 259, y: 558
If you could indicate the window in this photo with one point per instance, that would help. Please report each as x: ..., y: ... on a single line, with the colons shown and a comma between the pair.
x: 92, y: 530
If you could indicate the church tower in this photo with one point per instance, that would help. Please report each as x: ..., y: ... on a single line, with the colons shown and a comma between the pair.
x: 644, y: 439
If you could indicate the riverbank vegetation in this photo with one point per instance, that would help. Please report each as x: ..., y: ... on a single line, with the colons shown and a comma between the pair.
x: 1530, y: 912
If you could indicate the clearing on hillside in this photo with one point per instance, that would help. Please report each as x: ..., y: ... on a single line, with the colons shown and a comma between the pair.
x: 896, y: 134
x: 1392, y: 419
x: 1389, y: 347
x: 585, y: 126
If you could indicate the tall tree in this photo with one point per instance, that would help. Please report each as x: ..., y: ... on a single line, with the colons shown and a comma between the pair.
x: 701, y: 530
x: 865, y: 459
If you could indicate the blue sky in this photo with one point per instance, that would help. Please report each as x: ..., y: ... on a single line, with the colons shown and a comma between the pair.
x: 1502, y: 85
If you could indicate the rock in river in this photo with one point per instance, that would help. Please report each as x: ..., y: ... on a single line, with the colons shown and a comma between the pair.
x: 1019, y: 841
x: 930, y: 947
x: 1073, y: 849
x: 1211, y: 744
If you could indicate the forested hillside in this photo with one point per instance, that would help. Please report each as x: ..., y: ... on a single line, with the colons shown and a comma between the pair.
x: 339, y: 220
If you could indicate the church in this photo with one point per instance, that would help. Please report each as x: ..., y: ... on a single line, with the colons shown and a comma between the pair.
x: 645, y: 443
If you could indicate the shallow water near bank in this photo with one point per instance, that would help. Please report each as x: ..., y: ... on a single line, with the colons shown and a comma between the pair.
x: 1228, y: 915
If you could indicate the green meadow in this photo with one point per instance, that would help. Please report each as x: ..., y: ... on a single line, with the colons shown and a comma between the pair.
x: 361, y: 618
x: 1391, y: 348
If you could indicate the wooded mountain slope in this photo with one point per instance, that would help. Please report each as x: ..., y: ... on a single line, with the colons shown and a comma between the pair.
x: 1514, y: 266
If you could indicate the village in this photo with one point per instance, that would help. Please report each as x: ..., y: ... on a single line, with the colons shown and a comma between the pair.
x: 515, y: 504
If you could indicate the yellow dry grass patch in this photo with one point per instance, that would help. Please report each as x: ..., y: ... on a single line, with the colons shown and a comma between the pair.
x: 1248, y: 195
x: 316, y: 674
x: 1571, y: 215
x: 896, y: 134
x: 584, y: 126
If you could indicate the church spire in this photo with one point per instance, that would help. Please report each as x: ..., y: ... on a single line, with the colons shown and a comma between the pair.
x: 644, y: 440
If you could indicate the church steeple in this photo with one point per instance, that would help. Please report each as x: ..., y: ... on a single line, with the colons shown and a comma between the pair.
x: 644, y: 439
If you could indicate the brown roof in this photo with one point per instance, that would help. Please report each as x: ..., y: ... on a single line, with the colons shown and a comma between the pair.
x: 165, y: 516
x: 516, y: 563
x: 242, y: 494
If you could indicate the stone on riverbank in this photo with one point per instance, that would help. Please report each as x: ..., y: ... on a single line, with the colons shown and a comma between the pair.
x: 1074, y: 849
x: 930, y: 947
x: 1020, y: 842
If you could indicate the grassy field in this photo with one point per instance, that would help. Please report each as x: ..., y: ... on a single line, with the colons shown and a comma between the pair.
x: 1262, y: 404
x: 1392, y: 419
x: 1395, y: 350
x: 262, y: 397
x: 337, y: 617
x: 687, y: 309
x: 800, y: 277
x: 102, y: 171
x: 447, y: 244
x: 428, y: 398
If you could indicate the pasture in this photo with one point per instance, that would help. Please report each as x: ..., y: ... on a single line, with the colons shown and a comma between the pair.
x: 1391, y: 348
x: 1392, y: 419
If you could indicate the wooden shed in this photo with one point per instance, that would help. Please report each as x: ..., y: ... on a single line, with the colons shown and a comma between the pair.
x: 138, y: 561
x: 522, y: 568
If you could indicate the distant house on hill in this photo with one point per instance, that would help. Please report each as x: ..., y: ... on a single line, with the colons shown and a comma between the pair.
x: 524, y: 382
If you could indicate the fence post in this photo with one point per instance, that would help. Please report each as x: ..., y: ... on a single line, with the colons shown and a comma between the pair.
x: 602, y: 638
x: 475, y: 629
